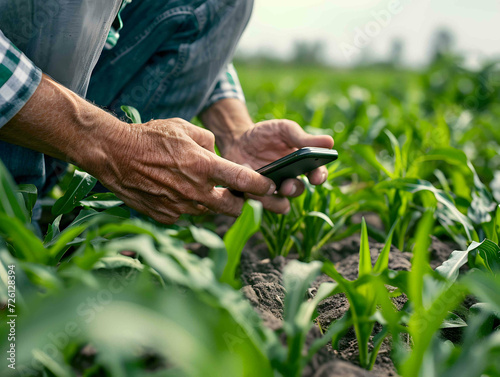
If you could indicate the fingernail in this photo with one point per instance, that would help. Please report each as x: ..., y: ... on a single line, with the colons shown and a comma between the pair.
x: 324, y: 176
x: 293, y: 190
x: 272, y: 189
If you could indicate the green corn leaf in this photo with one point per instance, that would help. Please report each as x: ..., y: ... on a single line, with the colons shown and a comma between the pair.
x: 237, y: 236
x: 320, y: 215
x: 81, y: 184
x: 365, y: 261
x: 132, y: 113
x: 420, y: 260
x: 485, y: 286
x: 334, y: 333
x: 377, y: 343
x: 450, y: 155
x: 43, y: 276
x: 425, y: 322
x: 54, y: 364
x: 382, y: 262
x: 103, y: 200
x: 482, y: 201
x: 398, y: 159
x: 297, y: 278
x: 216, y: 245
x: 368, y: 154
x: 414, y: 185
x: 491, y: 228
x: 53, y: 230
x: 304, y: 315
x: 453, y: 321
x: 11, y: 202
x: 62, y: 244
x: 486, y: 254
x: 426, y: 319
x: 330, y: 270
x: 30, y: 194
x: 449, y: 269
x: 25, y: 245
x: 24, y: 287
x: 118, y: 261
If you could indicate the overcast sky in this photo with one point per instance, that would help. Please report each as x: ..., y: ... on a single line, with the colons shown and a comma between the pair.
x: 352, y: 27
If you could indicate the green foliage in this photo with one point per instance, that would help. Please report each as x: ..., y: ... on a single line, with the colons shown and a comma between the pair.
x: 298, y: 314
x: 418, y: 152
x: 237, y: 236
x: 132, y: 113
x: 11, y: 201
x: 79, y: 187
x: 307, y: 227
x: 369, y: 299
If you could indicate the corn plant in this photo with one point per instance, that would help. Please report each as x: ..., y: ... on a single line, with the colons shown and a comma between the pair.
x: 315, y: 217
x: 364, y: 294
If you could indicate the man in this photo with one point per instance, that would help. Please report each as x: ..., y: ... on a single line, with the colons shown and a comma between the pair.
x: 171, y: 60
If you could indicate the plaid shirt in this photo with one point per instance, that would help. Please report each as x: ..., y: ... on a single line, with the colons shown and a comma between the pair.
x: 19, y: 79
x: 228, y: 86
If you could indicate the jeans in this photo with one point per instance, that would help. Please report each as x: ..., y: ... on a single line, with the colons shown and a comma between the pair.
x: 165, y: 64
x: 169, y: 56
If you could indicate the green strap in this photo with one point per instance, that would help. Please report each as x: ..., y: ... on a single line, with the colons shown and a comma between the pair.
x: 114, y: 32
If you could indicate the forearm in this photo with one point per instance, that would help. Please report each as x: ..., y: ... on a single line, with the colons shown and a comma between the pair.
x: 228, y: 119
x: 59, y: 123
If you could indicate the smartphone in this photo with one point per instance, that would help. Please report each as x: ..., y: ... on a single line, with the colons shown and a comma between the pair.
x: 297, y: 163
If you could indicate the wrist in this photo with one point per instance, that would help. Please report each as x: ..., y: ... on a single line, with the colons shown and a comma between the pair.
x: 100, y: 135
x: 228, y: 119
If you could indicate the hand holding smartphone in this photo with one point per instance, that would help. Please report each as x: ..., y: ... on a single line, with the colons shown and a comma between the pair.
x: 297, y: 163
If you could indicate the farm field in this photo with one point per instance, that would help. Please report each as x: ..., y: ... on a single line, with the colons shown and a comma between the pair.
x: 390, y: 268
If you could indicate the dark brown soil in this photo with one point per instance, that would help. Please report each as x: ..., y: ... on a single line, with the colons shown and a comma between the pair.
x: 262, y: 285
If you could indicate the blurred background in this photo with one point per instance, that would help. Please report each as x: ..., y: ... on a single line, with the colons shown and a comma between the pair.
x: 352, y: 32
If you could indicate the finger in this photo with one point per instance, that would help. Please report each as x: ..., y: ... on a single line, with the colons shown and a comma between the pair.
x: 220, y: 200
x: 291, y: 188
x: 297, y: 138
x: 318, y: 176
x: 160, y: 214
x: 194, y: 209
x: 164, y: 213
x: 204, y: 138
x: 162, y: 217
x: 273, y: 203
x: 241, y: 178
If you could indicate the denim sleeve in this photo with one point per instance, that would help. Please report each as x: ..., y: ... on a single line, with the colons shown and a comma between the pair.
x: 19, y: 78
x: 228, y: 86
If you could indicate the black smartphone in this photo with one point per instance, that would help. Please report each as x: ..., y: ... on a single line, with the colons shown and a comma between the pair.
x: 297, y: 163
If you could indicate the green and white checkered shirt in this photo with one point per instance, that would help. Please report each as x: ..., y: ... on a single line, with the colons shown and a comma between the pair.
x: 19, y: 78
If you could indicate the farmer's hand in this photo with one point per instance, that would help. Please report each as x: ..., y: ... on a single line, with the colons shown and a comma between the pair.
x: 256, y: 145
x: 165, y: 168
x: 162, y: 168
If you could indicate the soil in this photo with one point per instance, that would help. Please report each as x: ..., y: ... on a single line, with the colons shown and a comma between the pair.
x: 262, y: 285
